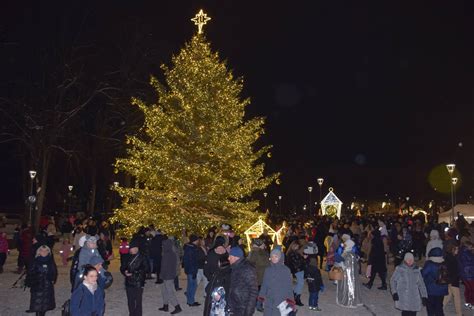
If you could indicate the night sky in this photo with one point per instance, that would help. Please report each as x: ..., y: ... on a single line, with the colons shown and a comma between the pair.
x: 370, y: 97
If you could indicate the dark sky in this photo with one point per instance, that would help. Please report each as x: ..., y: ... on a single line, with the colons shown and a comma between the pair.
x: 369, y: 96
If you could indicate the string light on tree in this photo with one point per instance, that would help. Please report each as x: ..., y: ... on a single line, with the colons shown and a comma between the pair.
x: 195, y: 162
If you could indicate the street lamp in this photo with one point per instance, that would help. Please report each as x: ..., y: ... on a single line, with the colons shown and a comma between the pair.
x: 265, y: 194
x: 31, y: 198
x: 408, y: 205
x: 279, y: 198
x: 70, y: 187
x: 310, y: 189
x: 454, y: 181
x: 320, y: 182
x: 450, y: 167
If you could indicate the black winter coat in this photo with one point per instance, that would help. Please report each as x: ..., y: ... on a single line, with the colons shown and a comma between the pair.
x: 212, y: 262
x: 169, y: 261
x: 40, y: 279
x: 314, y: 279
x: 453, y: 269
x: 377, y: 256
x: 138, y: 266
x: 156, y: 246
x: 220, y: 278
x: 296, y: 262
x: 243, y: 288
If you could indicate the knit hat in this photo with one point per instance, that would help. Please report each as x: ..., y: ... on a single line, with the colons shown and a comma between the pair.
x: 91, y: 239
x: 95, y: 260
x: 220, y: 241
x: 236, y: 252
x: 345, y: 237
x: 134, y: 244
x: 193, y: 238
x: 434, y: 234
x: 436, y: 255
x: 408, y: 256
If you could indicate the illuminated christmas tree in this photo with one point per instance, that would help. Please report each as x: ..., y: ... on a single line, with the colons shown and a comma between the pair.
x: 195, y: 162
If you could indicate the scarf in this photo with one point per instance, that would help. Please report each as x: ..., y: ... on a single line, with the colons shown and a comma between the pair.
x: 91, y: 287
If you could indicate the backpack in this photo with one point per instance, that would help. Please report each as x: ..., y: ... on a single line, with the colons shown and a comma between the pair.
x: 443, y: 275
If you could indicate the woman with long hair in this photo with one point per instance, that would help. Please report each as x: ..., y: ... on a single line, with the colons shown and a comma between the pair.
x: 297, y: 265
x: 88, y: 297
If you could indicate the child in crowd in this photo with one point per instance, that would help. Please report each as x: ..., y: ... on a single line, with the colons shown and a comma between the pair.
x: 313, y: 276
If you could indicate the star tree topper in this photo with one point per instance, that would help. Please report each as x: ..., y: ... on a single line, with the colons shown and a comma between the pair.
x: 200, y: 20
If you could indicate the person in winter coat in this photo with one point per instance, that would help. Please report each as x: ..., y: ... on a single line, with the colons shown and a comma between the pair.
x: 377, y: 261
x: 89, y: 297
x: 297, y: 265
x: 453, y: 271
x: 25, y: 254
x: 243, y: 285
x: 168, y: 273
x: 87, y: 252
x: 258, y: 256
x: 313, y: 278
x: 214, y: 256
x: 348, y: 289
x: 190, y: 263
x: 436, y: 291
x: 135, y: 269
x: 156, y: 245
x: 3, y: 250
x: 218, y: 289
x: 408, y: 288
x: 435, y: 242
x: 466, y: 271
x: 41, y: 276
x: 277, y: 284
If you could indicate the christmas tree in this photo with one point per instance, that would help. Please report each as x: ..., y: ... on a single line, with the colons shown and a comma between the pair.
x: 195, y: 162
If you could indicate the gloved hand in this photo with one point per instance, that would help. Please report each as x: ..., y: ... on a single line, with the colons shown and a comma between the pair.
x: 424, y: 300
x: 321, y: 289
x: 260, y: 298
x: 395, y: 297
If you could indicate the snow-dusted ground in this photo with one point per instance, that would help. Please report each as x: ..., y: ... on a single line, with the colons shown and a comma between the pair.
x: 15, y: 301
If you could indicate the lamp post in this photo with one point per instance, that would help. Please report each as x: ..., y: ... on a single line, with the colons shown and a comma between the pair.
x: 408, y: 205
x: 70, y: 187
x: 265, y: 194
x: 320, y: 182
x: 279, y: 203
x: 310, y: 189
x: 32, y: 197
x: 450, y: 167
x: 454, y: 181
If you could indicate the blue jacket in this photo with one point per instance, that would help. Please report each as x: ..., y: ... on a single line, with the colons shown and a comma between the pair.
x: 190, y: 259
x: 430, y: 275
x: 466, y: 264
x: 83, y: 303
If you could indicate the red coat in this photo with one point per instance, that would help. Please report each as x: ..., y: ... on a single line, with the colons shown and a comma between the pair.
x: 3, y: 245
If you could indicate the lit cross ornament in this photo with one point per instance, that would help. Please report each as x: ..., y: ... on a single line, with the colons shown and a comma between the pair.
x: 200, y: 20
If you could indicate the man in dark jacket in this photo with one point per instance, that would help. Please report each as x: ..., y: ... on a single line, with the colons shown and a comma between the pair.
x: 135, y: 268
x: 377, y: 261
x: 190, y: 262
x: 243, y: 284
x: 156, y: 245
x: 216, y: 254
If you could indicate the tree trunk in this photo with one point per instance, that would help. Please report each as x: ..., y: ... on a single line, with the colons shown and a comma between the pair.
x: 43, y: 181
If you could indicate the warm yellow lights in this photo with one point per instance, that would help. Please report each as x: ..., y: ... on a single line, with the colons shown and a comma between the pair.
x: 195, y: 162
x: 200, y: 20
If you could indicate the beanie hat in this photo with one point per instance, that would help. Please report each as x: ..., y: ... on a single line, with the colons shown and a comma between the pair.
x: 220, y: 241
x: 193, y: 238
x: 91, y: 239
x: 408, y: 256
x: 345, y: 237
x: 236, y: 252
x: 95, y: 260
x: 134, y: 244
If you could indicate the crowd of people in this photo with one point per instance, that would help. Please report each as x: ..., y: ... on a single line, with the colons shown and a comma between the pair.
x: 265, y: 276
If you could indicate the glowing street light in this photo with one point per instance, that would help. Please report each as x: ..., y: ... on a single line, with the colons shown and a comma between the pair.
x: 450, y: 167
x: 310, y: 189
x: 320, y: 183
